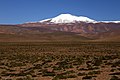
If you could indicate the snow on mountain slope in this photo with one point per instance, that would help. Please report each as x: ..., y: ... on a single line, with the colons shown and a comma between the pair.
x: 45, y: 20
x: 110, y: 21
x: 68, y: 18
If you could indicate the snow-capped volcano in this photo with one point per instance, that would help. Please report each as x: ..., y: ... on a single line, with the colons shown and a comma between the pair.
x: 68, y: 18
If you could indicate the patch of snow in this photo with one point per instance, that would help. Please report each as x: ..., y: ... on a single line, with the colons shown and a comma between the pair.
x: 44, y: 20
x: 29, y: 22
x: 110, y: 21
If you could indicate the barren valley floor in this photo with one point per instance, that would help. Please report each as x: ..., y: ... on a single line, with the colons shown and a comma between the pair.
x: 60, y: 60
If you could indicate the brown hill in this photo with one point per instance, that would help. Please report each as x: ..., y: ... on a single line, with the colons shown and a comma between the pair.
x: 91, y: 30
x: 60, y: 32
x: 19, y: 33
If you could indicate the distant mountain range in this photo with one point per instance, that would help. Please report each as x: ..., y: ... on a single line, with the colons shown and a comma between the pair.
x: 63, y: 27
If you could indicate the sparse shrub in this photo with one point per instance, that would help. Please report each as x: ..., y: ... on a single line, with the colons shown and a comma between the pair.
x: 71, y: 76
x: 116, y: 64
x: 68, y: 72
x: 94, y: 72
x: 81, y: 74
x: 55, y: 78
x: 47, y: 73
x: 61, y: 76
x: 112, y: 70
x: 114, y: 78
x: 29, y: 77
x: 97, y: 62
x: 87, y: 77
x: 57, y: 68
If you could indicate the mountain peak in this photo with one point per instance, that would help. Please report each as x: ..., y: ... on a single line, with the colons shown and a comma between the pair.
x: 65, y: 15
x: 68, y: 18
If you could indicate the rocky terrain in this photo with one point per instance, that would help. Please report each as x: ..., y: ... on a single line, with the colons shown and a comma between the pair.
x: 60, y: 61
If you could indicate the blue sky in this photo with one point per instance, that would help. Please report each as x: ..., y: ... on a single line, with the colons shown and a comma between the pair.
x: 20, y: 11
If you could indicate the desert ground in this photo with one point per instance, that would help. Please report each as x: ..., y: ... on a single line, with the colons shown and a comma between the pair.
x: 73, y: 60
